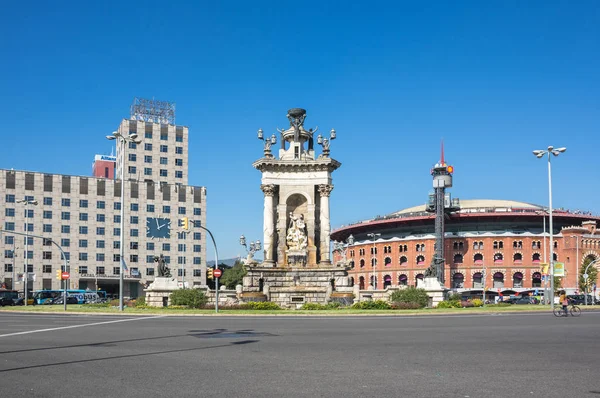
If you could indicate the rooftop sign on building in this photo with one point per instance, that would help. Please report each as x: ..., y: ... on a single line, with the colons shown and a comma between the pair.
x: 106, y: 158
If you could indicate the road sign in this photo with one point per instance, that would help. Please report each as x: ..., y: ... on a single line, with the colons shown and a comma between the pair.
x: 217, y: 273
x: 559, y: 269
x: 65, y: 275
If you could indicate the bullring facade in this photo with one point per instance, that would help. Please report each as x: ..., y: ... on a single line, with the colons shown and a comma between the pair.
x: 498, y: 244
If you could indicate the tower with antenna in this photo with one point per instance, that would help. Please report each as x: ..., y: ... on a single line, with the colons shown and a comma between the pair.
x: 441, y: 204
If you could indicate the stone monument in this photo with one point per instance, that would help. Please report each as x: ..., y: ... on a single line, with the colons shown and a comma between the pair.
x: 158, y: 292
x: 296, y: 227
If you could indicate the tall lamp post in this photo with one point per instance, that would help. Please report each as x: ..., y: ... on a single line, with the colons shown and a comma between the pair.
x: 585, y: 278
x: 374, y: 259
x: 25, y: 274
x: 577, y: 261
x: 540, y: 154
x: 123, y: 140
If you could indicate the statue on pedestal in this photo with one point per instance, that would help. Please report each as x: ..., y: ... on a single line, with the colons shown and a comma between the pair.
x: 163, y: 270
x: 296, y: 234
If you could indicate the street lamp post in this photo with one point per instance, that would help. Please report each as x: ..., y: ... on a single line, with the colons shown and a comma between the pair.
x: 14, y: 274
x: 374, y: 259
x: 251, y: 249
x: 122, y: 139
x: 540, y: 154
x: 25, y: 274
x: 577, y: 261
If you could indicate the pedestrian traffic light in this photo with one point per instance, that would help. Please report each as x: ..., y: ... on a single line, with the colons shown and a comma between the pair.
x: 185, y: 222
x: 59, y: 274
x: 209, y: 273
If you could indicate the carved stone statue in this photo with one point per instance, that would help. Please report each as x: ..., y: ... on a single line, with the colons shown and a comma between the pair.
x: 296, y: 235
x: 163, y: 270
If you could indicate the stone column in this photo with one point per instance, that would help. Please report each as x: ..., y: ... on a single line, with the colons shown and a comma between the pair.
x: 268, y: 223
x: 325, y: 191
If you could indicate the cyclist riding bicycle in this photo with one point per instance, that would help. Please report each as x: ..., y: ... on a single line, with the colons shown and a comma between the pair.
x: 564, y: 301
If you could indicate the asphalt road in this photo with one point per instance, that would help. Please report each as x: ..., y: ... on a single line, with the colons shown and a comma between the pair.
x: 509, y: 355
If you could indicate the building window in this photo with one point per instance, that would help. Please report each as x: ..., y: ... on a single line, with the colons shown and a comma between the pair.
x: 150, y: 208
x: 65, y: 229
x: 134, y: 245
x: 100, y: 270
x: 181, y: 210
x: 178, y: 162
x: 65, y: 215
x: 117, y: 206
x: 134, y: 220
x: 163, y: 173
x: 83, y: 230
x: 100, y: 244
x: 197, y: 236
x: 197, y: 248
x: 47, y: 201
x: 9, y: 212
x: 132, y: 145
x: 117, y: 219
x: 478, y: 259
x: 116, y: 231
x: 178, y: 174
x: 164, y: 137
x: 65, y: 242
x: 197, y: 260
x: 99, y: 256
x: 47, y: 228
x: 134, y: 207
x: 181, y: 247
x: 116, y: 270
x: 458, y: 259
x: 100, y: 230
x: 132, y: 170
x: 83, y: 203
x: 132, y: 157
x: 47, y: 214
x: 83, y: 243
x: 133, y: 258
x: 166, y: 247
x: 100, y: 218
x: 116, y: 258
x: 149, y: 271
x: 147, y: 159
x: 100, y: 204
x: 83, y: 256
x: 164, y: 160
x: 148, y: 147
x: 65, y: 202
x: 197, y: 273
x: 166, y: 209
x: 147, y: 171
x: 47, y: 269
x: 83, y: 216
x: 148, y: 134
x: 133, y: 232
x: 179, y: 150
x: 164, y: 148
x: 498, y: 245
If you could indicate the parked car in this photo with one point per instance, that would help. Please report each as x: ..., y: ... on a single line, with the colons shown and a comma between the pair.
x: 523, y: 300
x: 579, y: 299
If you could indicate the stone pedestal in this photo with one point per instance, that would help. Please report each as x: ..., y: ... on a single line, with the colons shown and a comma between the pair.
x: 159, y: 291
x: 435, y: 290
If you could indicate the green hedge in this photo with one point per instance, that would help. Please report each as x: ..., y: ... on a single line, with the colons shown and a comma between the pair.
x: 410, y: 295
x: 372, y: 305
x: 317, y: 306
x: 192, y: 298
x: 261, y: 305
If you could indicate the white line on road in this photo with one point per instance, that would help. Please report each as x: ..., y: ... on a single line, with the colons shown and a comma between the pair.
x: 79, y: 326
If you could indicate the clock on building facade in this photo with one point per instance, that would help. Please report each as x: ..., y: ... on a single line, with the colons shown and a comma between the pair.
x: 157, y: 227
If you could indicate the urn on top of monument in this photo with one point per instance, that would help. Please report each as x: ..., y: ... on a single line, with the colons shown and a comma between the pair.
x: 297, y: 143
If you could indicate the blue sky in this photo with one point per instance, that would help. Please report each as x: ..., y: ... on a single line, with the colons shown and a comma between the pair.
x: 494, y: 79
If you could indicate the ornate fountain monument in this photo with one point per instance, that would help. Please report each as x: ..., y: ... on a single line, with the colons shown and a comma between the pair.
x: 296, y: 184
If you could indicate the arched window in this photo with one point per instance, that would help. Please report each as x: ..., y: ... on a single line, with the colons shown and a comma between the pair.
x: 417, y: 278
x: 477, y: 280
x: 517, y: 258
x: 362, y: 262
x: 498, y: 280
x: 361, y: 283
x: 420, y: 260
x: 403, y: 280
x: 373, y: 262
x: 478, y: 258
x: 351, y: 263
x: 555, y: 256
x: 498, y: 258
x: 387, y: 281
x: 373, y: 281
x: 535, y: 258
x: 457, y: 280
x: 517, y: 279
x: 403, y: 260
x: 387, y: 262
x: 458, y: 259
x: 536, y: 279
x: 351, y: 281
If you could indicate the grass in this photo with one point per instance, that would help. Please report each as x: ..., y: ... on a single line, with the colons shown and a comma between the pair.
x: 224, y: 311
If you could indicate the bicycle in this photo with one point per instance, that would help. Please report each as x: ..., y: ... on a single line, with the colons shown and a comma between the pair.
x: 571, y: 309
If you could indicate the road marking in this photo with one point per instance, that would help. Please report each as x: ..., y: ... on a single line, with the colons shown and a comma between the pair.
x: 79, y: 326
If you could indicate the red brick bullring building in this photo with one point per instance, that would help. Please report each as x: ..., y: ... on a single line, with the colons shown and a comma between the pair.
x: 503, y: 240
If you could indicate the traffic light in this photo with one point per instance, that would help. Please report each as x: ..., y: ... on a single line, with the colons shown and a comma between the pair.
x: 209, y: 273
x: 185, y: 223
x: 59, y: 274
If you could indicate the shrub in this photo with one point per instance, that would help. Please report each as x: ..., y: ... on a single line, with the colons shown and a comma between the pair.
x: 444, y: 304
x: 261, y: 305
x: 114, y: 303
x: 140, y: 302
x: 99, y: 305
x: 477, y: 303
x: 455, y: 297
x: 466, y: 304
x: 317, y: 306
x: 411, y: 295
x: 405, y: 306
x: 500, y: 305
x: 372, y: 305
x: 192, y: 298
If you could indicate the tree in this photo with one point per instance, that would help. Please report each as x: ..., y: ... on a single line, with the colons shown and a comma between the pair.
x: 592, y: 275
x: 233, y: 276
